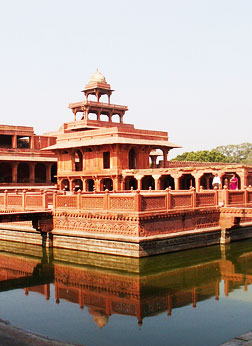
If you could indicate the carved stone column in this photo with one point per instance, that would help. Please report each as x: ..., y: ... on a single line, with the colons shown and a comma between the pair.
x: 70, y: 184
x: 165, y: 153
x: 176, y: 183
x: 157, y: 181
x: 14, y: 172
x: 32, y: 172
x: 197, y: 182
x: 14, y: 142
x: 138, y: 178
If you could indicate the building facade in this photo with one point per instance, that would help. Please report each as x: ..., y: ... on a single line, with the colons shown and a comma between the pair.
x: 98, y: 151
x: 22, y: 162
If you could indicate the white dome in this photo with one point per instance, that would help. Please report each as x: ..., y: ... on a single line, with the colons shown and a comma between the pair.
x: 97, y: 77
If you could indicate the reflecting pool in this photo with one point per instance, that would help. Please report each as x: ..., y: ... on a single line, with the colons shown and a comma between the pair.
x: 194, y: 297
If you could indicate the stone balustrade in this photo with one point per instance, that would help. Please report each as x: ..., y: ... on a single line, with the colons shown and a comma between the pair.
x: 136, y: 201
x: 23, y: 201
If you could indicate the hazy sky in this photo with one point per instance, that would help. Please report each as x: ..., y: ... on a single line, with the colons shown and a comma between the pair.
x: 182, y: 66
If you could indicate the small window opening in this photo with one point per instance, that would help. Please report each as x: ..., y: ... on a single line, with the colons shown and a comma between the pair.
x: 23, y: 142
x: 106, y: 160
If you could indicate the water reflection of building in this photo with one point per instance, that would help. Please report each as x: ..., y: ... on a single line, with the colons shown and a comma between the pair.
x: 158, y: 286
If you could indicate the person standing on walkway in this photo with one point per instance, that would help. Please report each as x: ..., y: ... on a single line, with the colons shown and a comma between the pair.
x: 234, y: 183
x: 216, y: 181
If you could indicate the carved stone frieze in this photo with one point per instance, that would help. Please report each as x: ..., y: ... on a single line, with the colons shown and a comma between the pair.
x: 94, y: 225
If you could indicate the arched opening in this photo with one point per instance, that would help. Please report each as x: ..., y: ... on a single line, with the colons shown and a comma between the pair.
x: 23, y: 173
x: 79, y: 116
x: 167, y: 181
x: 147, y: 182
x: 40, y: 173
x: 104, y: 117
x: 153, y: 157
x: 77, y: 185
x: 65, y: 185
x: 92, y: 97
x: 132, y: 159
x: 90, y: 185
x: 116, y: 118
x: 107, y: 184
x: 186, y: 181
x: 54, y: 173
x: 206, y: 181
x: 92, y: 116
x: 5, y: 173
x: 225, y: 179
x: 78, y: 160
x: 103, y: 98
x: 130, y: 182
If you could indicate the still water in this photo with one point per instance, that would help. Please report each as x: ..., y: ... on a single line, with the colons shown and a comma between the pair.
x: 195, y: 297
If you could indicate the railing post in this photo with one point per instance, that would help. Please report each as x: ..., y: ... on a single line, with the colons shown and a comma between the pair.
x: 245, y: 196
x: 168, y: 198
x: 106, y: 200
x: 193, y: 197
x: 79, y: 200
x: 5, y: 199
x: 24, y: 200
x: 54, y: 200
x: 216, y: 196
x: 138, y: 203
x: 44, y: 199
x: 225, y: 196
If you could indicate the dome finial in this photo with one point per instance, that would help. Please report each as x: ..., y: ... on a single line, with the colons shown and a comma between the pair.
x: 97, y: 77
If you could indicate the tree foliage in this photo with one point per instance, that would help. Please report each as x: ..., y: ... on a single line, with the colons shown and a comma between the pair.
x: 202, y: 156
x: 233, y: 153
x: 237, y: 153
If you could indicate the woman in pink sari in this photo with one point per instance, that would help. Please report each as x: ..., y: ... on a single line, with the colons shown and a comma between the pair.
x: 234, y: 183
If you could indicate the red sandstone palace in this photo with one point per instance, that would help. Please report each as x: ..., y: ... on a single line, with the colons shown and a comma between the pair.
x: 98, y: 151
x: 99, y: 155
x: 22, y: 162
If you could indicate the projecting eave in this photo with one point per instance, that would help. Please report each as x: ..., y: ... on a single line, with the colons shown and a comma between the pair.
x: 111, y: 140
x: 28, y: 158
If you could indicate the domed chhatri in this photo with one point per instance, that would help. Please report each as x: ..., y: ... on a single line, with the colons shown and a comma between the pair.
x: 97, y: 81
x: 97, y: 77
x: 97, y: 86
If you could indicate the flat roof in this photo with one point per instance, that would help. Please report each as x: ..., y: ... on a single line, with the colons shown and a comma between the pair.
x: 110, y: 140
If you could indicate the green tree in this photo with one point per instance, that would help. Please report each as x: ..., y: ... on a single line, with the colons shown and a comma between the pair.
x: 202, y: 156
x: 237, y: 153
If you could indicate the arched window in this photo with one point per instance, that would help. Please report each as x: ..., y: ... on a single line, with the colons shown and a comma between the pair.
x: 206, y: 181
x: 147, y: 182
x: 77, y: 185
x: 107, y: 184
x: 186, y: 181
x: 65, y: 185
x: 167, y: 181
x: 78, y: 160
x: 90, y: 185
x: 130, y: 182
